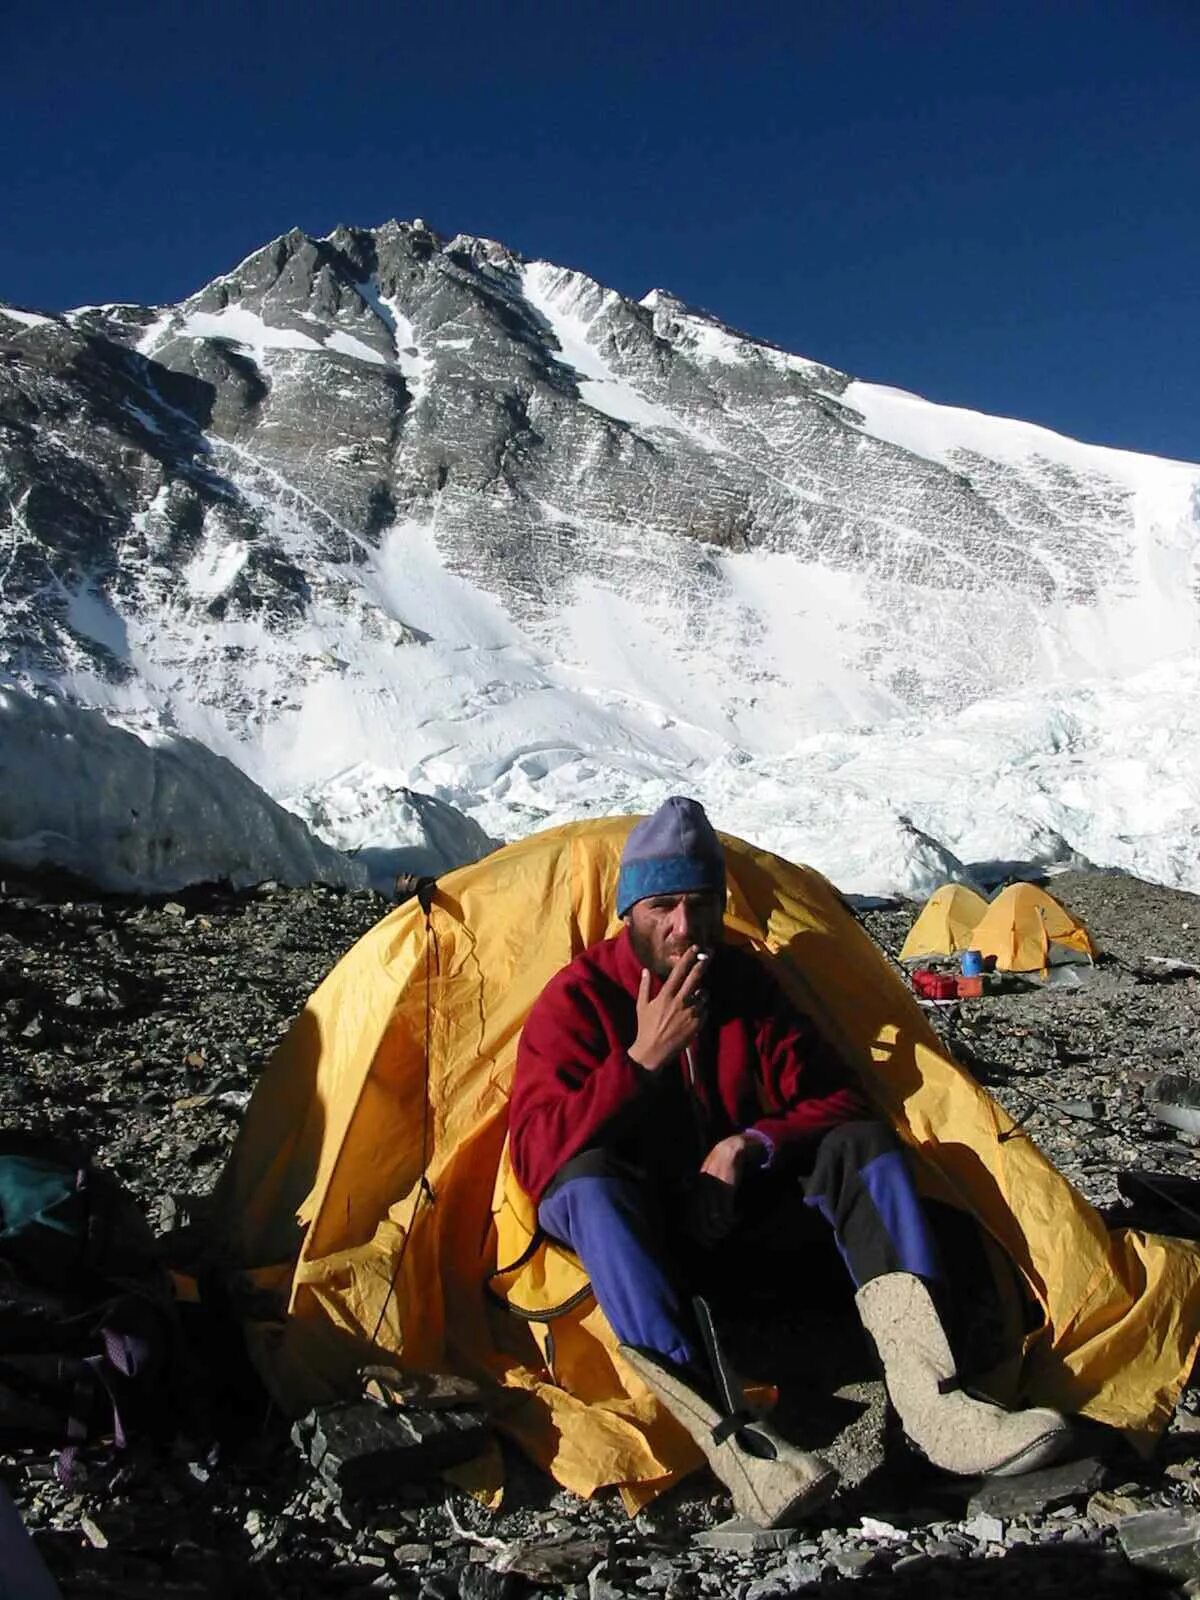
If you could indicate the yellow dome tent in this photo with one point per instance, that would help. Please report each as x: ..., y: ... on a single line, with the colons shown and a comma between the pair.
x: 1021, y: 927
x: 367, y: 1206
x: 946, y: 923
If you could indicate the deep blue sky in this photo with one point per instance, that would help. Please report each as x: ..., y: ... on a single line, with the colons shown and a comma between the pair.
x: 995, y: 203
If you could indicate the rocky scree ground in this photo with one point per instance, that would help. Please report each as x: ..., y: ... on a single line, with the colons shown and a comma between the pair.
x: 141, y: 1027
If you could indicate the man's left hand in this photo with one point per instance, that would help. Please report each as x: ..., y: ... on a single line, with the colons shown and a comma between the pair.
x: 733, y: 1157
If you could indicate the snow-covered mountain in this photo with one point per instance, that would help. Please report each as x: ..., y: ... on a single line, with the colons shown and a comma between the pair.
x: 386, y: 513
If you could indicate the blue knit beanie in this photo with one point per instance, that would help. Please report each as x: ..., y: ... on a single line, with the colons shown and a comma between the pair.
x: 671, y: 852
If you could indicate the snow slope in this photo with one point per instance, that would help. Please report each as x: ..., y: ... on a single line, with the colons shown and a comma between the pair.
x: 1101, y: 769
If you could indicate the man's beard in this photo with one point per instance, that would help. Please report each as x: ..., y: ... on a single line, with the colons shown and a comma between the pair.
x: 658, y: 964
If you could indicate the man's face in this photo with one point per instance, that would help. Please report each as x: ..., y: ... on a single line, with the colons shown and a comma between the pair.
x: 662, y: 926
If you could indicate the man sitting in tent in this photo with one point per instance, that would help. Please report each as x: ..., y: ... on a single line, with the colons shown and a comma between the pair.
x: 667, y: 1098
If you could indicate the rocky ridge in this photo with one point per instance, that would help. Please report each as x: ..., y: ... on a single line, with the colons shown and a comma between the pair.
x: 141, y: 1027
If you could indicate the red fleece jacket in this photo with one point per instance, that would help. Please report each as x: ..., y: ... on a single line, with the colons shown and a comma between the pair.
x: 759, y: 1064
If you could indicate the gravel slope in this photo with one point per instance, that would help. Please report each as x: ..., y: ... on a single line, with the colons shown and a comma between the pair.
x: 141, y: 1027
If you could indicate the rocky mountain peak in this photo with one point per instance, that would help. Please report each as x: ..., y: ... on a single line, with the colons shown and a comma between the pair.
x: 415, y: 500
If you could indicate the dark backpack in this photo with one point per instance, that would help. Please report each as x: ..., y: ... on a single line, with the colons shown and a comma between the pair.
x: 87, y: 1324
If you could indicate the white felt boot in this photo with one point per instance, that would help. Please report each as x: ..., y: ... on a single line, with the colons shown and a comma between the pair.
x: 772, y: 1482
x: 952, y: 1429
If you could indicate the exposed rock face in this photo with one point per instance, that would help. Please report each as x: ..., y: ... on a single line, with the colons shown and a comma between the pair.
x: 237, y: 456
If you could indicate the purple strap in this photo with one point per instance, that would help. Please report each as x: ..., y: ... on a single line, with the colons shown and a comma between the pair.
x: 125, y: 1355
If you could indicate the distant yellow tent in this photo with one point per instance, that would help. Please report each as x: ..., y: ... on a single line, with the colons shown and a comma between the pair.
x: 946, y: 924
x: 1022, y: 926
x: 367, y: 1209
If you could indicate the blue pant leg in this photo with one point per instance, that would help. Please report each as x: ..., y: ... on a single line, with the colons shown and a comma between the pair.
x: 861, y: 1184
x: 611, y: 1224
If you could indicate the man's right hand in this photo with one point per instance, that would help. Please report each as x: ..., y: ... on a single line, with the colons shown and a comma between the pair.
x: 668, y: 1023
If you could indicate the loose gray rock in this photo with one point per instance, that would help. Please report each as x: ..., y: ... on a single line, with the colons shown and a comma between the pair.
x: 1165, y: 1541
x: 946, y: 1550
x: 553, y: 1562
x: 360, y: 1448
x: 856, y: 1563
x: 1107, y: 1508
x: 745, y: 1537
x: 804, y: 1569
x: 411, y: 1555
x: 772, y: 1587
x: 914, y: 1561
x: 1005, y: 1498
x: 477, y: 1582
x: 984, y: 1528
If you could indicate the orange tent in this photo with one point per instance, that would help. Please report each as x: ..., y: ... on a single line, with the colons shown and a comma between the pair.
x: 1022, y: 928
x: 946, y: 924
